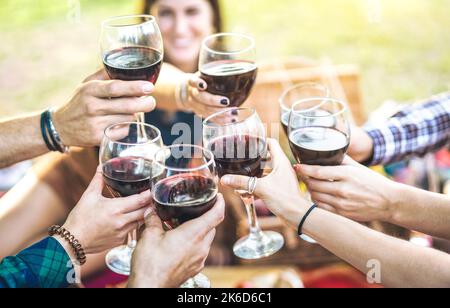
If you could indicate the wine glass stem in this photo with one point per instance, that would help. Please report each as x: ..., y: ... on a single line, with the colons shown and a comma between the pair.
x: 249, y: 202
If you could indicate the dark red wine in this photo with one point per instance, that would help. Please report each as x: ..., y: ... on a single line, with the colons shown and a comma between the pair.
x: 239, y: 155
x: 232, y: 79
x: 184, y: 197
x: 127, y: 176
x: 321, y: 146
x: 134, y: 63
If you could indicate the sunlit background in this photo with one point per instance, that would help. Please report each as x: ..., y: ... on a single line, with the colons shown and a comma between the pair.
x: 401, y: 46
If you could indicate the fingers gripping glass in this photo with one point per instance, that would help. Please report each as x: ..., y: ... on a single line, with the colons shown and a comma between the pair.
x: 237, y: 139
x: 185, y: 189
x: 132, y: 49
x: 128, y: 167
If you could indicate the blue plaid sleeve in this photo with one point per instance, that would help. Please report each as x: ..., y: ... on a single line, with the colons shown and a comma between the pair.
x: 43, y: 265
x: 415, y: 131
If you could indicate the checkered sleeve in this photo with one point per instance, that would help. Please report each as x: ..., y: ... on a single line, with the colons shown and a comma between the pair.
x: 415, y: 131
x: 43, y: 265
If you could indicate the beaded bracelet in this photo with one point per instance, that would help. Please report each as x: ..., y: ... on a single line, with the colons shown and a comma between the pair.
x: 74, y: 243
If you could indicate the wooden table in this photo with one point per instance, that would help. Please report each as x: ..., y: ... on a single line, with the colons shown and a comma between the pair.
x: 341, y: 275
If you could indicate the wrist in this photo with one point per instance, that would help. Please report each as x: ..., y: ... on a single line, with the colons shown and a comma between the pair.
x: 366, y: 156
x: 79, y: 235
x: 59, y: 126
x: 296, y: 208
x: 142, y: 279
x: 396, y: 203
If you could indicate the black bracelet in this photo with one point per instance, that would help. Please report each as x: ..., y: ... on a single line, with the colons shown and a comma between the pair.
x: 300, y: 226
x: 48, y: 124
x: 44, y: 132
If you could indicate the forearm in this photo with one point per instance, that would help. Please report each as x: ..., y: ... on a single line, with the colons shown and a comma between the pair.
x: 20, y: 140
x: 167, y: 87
x: 422, y: 211
x: 402, y: 264
x: 415, y: 131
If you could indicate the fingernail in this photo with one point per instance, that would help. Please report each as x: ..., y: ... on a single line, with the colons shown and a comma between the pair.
x: 225, y: 102
x: 148, y: 88
x: 202, y: 86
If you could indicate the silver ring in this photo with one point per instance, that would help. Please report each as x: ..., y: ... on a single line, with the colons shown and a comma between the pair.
x: 252, y: 182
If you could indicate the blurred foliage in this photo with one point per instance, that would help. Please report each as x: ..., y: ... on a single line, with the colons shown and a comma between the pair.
x: 403, y: 52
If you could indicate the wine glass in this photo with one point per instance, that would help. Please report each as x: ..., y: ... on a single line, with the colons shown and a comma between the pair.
x: 289, y: 98
x: 237, y: 138
x: 132, y: 49
x: 319, y: 132
x: 185, y: 189
x: 228, y: 65
x: 128, y: 167
x: 296, y: 93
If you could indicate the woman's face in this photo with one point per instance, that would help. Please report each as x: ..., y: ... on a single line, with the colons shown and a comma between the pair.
x: 184, y: 24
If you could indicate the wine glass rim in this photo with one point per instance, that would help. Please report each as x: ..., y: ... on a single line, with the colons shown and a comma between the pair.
x: 299, y: 86
x: 224, y: 34
x: 152, y: 141
x: 105, y: 23
x: 206, y: 124
x: 205, y: 165
x: 325, y: 99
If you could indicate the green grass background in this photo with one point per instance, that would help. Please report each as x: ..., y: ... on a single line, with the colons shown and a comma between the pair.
x: 404, y: 54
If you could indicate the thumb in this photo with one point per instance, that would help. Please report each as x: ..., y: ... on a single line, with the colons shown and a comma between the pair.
x: 153, y: 223
x: 99, y: 75
x: 97, y: 184
x: 236, y: 181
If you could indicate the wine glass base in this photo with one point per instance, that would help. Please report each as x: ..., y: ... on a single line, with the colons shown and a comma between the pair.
x: 118, y: 260
x: 258, y: 246
x: 307, y: 239
x: 198, y: 282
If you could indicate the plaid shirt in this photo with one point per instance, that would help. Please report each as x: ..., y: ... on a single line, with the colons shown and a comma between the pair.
x: 43, y: 265
x: 416, y: 130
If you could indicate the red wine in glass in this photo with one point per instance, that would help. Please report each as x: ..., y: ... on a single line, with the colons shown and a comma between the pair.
x: 230, y: 78
x: 239, y: 155
x: 184, y: 197
x: 127, y: 176
x: 134, y: 63
x: 321, y: 146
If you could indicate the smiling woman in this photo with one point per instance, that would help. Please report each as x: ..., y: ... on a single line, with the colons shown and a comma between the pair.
x: 184, y: 24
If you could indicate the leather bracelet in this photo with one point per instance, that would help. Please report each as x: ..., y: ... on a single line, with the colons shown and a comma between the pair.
x: 54, y: 135
x: 44, y: 132
x: 74, y: 243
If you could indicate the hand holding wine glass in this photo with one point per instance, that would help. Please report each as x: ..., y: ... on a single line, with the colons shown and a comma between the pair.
x: 132, y: 49
x: 128, y: 169
x: 185, y: 189
x: 98, y: 103
x: 113, y: 219
x: 237, y: 138
x: 285, y: 201
x: 192, y: 240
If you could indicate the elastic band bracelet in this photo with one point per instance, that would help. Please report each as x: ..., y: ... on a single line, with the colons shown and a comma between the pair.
x: 300, y: 226
x: 44, y: 132
x: 74, y: 243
